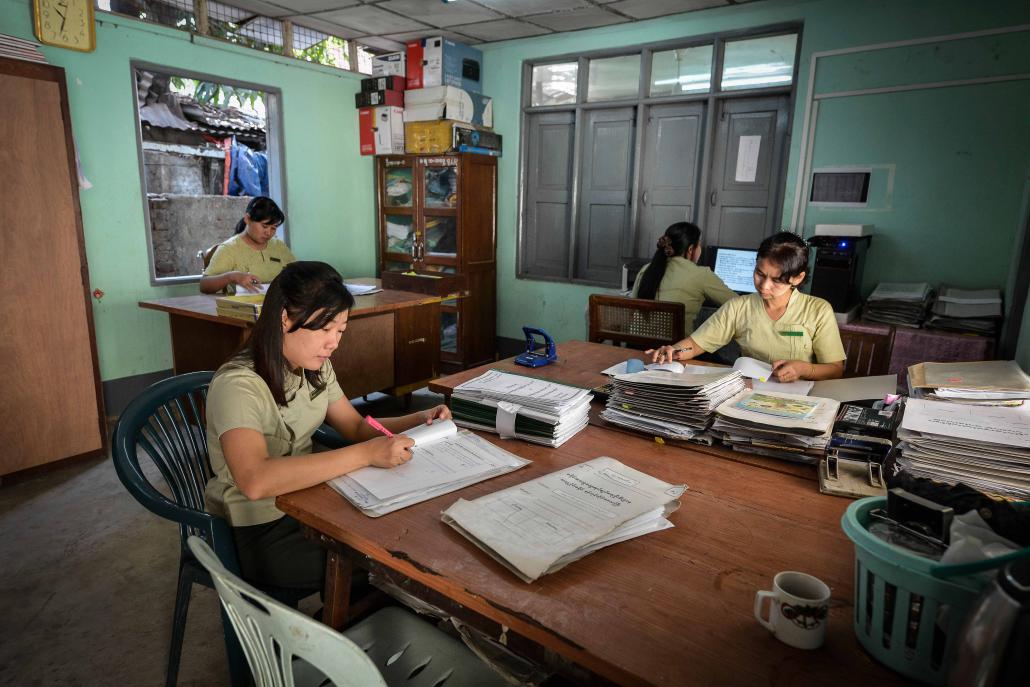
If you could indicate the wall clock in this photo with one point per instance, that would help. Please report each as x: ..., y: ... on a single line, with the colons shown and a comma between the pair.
x: 65, y: 23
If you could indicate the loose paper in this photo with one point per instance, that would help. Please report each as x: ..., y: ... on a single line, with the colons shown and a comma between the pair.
x: 747, y: 158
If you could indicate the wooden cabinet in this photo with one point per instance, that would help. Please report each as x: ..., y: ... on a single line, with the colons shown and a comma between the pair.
x: 51, y: 400
x: 437, y: 214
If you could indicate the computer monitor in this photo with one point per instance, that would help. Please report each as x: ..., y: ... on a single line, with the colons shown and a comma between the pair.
x: 735, y: 266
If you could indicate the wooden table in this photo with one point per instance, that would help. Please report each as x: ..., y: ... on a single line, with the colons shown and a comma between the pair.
x: 392, y: 342
x: 670, y: 608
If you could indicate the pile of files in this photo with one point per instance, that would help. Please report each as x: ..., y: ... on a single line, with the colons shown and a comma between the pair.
x: 540, y: 526
x: 443, y: 459
x: 985, y: 382
x: 535, y: 410
x: 984, y: 447
x: 900, y: 304
x: 862, y: 441
x: 960, y: 310
x: 241, y: 307
x: 769, y: 423
x: 667, y: 404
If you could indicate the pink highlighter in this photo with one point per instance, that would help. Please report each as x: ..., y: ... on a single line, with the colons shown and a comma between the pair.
x: 374, y: 424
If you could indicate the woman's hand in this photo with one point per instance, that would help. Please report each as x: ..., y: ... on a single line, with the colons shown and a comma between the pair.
x: 440, y: 412
x: 389, y: 452
x: 791, y: 370
x: 246, y: 280
x: 663, y: 354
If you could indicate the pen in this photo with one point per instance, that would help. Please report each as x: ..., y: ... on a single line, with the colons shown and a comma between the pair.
x: 374, y: 424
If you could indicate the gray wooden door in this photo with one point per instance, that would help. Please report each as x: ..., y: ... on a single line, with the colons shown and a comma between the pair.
x: 549, y: 194
x: 603, y: 224
x: 747, y: 164
x: 669, y: 171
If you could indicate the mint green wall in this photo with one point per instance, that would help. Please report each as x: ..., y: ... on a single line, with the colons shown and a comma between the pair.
x: 328, y: 200
x: 964, y: 235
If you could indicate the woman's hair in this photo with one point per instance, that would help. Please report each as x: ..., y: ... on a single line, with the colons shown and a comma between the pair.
x: 789, y: 252
x: 312, y: 294
x: 261, y: 209
x: 677, y: 239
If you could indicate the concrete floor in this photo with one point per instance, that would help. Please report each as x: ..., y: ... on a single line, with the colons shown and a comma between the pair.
x: 87, y: 582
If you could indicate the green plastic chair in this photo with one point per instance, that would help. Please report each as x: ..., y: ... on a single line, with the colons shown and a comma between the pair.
x: 166, y: 423
x: 391, y: 648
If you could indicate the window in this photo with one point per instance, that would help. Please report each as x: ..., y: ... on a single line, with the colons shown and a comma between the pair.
x: 206, y: 146
x: 619, y: 144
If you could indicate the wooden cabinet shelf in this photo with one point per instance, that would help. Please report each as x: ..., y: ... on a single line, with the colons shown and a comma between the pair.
x: 437, y: 215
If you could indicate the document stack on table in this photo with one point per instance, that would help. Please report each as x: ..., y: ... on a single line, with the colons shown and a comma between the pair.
x: 443, y: 459
x: 969, y: 311
x: 670, y: 405
x: 987, y: 448
x: 986, y: 382
x: 527, y: 408
x: 788, y: 426
x: 542, y: 525
x: 902, y: 304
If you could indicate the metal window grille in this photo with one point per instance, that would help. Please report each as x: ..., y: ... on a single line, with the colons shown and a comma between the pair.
x: 245, y: 27
x: 323, y: 48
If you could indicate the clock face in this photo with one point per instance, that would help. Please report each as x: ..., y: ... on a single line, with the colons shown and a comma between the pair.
x: 65, y: 23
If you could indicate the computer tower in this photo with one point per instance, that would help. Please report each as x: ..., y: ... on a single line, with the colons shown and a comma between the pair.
x: 837, y: 269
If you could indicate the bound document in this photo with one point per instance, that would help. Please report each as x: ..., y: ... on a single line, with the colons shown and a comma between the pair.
x: 443, y: 459
x: 541, y: 526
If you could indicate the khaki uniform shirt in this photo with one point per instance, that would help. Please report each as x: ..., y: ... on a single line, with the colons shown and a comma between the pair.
x: 239, y: 398
x: 807, y: 330
x: 235, y: 255
x: 688, y: 283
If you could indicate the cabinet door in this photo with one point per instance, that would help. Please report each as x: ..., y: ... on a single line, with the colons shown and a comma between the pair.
x: 438, y: 193
x: 397, y: 203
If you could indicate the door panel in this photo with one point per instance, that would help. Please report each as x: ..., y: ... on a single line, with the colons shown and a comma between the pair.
x: 604, y: 210
x: 669, y: 173
x: 747, y: 163
x: 550, y: 194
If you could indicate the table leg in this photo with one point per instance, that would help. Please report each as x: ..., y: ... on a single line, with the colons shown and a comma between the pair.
x: 336, y: 601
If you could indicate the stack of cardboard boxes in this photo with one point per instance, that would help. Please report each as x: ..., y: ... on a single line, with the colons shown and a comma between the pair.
x: 426, y: 100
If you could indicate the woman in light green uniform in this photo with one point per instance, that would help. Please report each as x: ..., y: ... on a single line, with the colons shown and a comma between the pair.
x: 264, y: 405
x: 673, y: 273
x: 794, y: 332
x: 253, y: 256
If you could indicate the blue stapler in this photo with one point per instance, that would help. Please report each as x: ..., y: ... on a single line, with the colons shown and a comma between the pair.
x: 532, y: 357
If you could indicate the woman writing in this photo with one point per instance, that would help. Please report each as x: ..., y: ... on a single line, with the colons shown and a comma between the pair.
x: 793, y: 331
x: 263, y: 407
x: 673, y: 273
x: 252, y: 256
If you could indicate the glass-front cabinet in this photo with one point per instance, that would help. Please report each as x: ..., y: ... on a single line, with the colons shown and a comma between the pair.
x: 437, y: 216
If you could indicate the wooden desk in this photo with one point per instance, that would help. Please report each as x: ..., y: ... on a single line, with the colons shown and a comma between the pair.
x: 670, y: 608
x: 391, y: 344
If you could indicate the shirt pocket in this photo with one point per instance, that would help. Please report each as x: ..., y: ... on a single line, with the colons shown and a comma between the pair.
x: 799, y: 340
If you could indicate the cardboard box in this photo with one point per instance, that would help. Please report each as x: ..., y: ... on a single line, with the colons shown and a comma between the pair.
x: 445, y: 136
x: 448, y: 102
x: 437, y: 61
x: 383, y: 83
x: 381, y: 130
x: 389, y: 64
x: 432, y: 283
x: 378, y: 98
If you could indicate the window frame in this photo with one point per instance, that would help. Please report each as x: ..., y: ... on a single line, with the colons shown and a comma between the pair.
x: 643, y: 102
x: 276, y: 148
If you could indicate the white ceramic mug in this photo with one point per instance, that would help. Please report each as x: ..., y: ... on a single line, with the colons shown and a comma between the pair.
x: 798, y: 609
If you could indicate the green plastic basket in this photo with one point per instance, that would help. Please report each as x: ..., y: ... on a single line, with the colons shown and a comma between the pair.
x: 908, y: 609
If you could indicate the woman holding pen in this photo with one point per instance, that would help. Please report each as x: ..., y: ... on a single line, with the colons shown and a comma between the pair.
x: 794, y: 332
x: 263, y: 407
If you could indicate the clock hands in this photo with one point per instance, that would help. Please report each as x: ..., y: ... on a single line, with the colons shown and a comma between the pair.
x: 63, y: 15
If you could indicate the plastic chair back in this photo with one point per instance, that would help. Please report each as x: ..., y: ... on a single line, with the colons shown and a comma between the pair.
x: 166, y: 423
x: 273, y: 634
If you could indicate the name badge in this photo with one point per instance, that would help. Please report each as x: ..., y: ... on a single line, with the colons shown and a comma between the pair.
x: 274, y: 260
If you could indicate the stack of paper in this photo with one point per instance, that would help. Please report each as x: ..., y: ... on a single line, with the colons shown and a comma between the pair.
x: 669, y: 405
x: 986, y: 448
x: 788, y: 426
x: 20, y: 49
x: 540, y: 526
x: 986, y: 382
x: 362, y: 289
x: 904, y: 304
x: 240, y: 307
x: 512, y: 405
x: 443, y: 460
x: 960, y: 310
